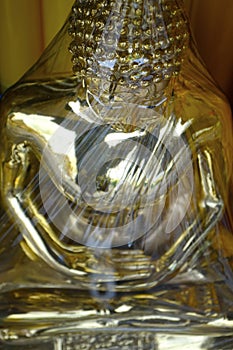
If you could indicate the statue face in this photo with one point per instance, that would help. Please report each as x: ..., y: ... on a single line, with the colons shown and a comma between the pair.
x: 133, y: 44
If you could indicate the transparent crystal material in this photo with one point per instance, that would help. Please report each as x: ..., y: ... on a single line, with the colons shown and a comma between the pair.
x: 116, y: 188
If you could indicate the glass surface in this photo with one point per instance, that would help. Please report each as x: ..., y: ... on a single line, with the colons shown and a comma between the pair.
x: 116, y: 188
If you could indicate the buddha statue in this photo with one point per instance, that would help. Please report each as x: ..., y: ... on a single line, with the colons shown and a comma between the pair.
x: 116, y: 180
